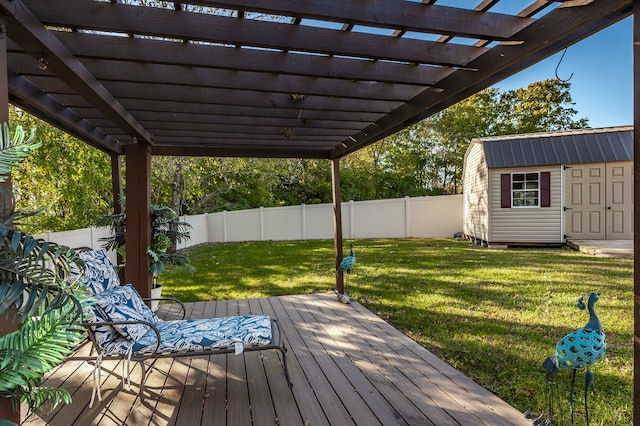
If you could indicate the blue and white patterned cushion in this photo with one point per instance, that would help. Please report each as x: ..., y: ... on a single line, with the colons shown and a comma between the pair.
x: 99, y: 274
x: 199, y: 334
x: 123, y: 303
x: 104, y: 334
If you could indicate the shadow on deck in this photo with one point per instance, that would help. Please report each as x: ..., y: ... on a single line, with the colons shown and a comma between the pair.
x: 347, y: 366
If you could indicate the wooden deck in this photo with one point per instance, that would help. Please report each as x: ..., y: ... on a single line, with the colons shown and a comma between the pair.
x: 347, y: 367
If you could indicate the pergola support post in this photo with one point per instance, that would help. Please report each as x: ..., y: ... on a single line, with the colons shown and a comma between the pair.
x: 116, y: 189
x: 8, y: 320
x: 337, y: 223
x: 636, y: 212
x: 116, y: 183
x: 138, y: 209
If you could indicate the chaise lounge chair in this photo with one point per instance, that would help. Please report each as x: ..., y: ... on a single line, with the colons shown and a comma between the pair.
x: 121, y: 326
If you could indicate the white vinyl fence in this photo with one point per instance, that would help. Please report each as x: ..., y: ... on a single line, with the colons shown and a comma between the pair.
x: 417, y: 217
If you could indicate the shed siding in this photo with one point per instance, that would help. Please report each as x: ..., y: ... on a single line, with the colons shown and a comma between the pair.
x: 476, y: 197
x: 526, y: 225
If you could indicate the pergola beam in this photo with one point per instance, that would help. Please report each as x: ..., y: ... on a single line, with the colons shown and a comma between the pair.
x: 146, y: 110
x: 30, y: 98
x: 153, y: 121
x: 157, y: 22
x: 209, y: 150
x: 205, y: 95
x: 190, y: 76
x: 45, y: 48
x: 400, y: 15
x: 211, y: 56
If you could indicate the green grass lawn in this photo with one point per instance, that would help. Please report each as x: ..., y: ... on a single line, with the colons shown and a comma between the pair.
x: 493, y: 314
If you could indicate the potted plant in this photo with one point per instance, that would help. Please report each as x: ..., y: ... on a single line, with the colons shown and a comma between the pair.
x: 166, y: 232
x: 39, y: 294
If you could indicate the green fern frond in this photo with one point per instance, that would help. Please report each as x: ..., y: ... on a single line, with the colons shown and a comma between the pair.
x: 39, y: 345
x: 40, y: 268
x: 45, y: 399
x: 40, y: 399
x: 13, y: 150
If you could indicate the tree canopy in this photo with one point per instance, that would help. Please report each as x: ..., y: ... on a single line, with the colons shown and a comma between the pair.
x: 424, y: 159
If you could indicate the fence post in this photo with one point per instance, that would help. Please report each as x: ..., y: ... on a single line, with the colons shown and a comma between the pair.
x: 303, y: 213
x: 352, y: 219
x: 206, y: 226
x: 261, y: 223
x: 224, y: 226
x: 407, y: 217
x: 94, y: 240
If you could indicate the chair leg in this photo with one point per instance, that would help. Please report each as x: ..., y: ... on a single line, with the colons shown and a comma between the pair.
x: 283, y: 350
x: 142, y: 380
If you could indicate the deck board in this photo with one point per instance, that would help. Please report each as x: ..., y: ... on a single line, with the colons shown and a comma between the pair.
x: 347, y: 365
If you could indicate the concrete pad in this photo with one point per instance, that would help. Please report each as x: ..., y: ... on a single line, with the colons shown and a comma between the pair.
x: 603, y: 248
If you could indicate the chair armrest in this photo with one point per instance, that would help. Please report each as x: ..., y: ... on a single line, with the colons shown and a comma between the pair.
x: 89, y: 326
x: 178, y: 301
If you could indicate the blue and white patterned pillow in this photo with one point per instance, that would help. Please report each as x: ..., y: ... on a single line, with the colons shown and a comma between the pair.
x: 123, y: 303
x: 104, y: 334
x: 99, y: 274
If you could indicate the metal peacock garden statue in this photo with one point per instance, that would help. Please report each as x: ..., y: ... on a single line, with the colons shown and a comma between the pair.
x: 347, y: 265
x: 579, y: 349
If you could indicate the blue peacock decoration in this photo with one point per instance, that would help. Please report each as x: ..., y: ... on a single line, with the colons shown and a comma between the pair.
x: 579, y: 349
x: 347, y: 265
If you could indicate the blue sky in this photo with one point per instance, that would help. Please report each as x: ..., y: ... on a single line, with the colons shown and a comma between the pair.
x: 602, y: 82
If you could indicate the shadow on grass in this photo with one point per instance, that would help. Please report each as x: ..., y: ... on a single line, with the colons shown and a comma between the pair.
x: 493, y: 314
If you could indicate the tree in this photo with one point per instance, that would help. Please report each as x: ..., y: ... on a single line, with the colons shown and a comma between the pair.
x: 69, y: 176
x: 542, y: 106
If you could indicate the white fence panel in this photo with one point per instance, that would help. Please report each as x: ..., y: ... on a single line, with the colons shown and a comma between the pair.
x: 85, y: 237
x: 216, y: 227
x: 379, y: 219
x: 434, y: 217
x: 318, y: 222
x: 282, y: 223
x: 242, y: 225
x: 419, y: 217
x: 199, y: 233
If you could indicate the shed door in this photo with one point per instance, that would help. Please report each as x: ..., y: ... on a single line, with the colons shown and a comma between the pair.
x: 598, y: 201
x: 619, y: 201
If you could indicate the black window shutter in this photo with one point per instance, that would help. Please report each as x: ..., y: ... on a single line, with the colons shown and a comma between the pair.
x: 545, y: 189
x: 505, y: 190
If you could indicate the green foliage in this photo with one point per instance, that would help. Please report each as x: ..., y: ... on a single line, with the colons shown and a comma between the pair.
x: 166, y: 231
x: 495, y: 315
x: 15, y: 149
x: 38, y: 267
x: 542, y: 106
x: 40, y: 344
x: 69, y: 176
x: 47, y: 317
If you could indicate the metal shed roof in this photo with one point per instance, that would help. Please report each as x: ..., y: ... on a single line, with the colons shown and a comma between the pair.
x: 565, y: 147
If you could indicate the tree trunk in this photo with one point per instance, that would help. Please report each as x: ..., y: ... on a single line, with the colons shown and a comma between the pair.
x: 177, y: 185
x: 176, y: 193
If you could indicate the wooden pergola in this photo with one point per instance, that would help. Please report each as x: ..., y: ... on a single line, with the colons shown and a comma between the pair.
x: 269, y: 78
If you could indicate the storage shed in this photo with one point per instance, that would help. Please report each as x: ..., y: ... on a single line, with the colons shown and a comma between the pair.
x: 545, y: 188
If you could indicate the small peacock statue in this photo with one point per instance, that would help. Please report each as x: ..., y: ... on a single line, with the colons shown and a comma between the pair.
x: 347, y: 265
x: 579, y: 349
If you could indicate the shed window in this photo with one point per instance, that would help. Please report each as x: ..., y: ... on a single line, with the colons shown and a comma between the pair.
x: 531, y: 189
x: 525, y: 189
